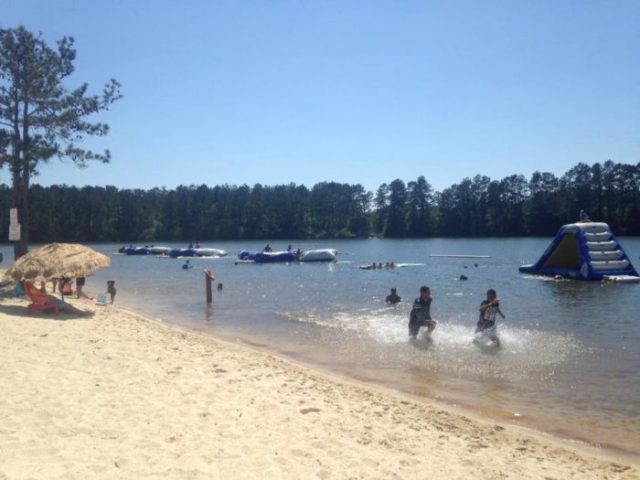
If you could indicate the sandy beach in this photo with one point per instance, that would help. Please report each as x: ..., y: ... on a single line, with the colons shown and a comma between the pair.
x: 117, y: 395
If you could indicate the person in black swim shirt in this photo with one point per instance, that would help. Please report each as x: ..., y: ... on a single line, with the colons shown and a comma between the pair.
x: 420, y: 315
x: 489, y: 308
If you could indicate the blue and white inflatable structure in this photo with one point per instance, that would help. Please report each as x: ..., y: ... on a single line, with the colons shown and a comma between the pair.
x: 585, y: 251
x: 317, y: 255
x: 268, y: 257
x: 173, y: 252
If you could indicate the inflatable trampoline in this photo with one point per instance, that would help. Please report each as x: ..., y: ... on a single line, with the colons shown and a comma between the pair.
x: 267, y: 257
x: 319, y: 255
x: 584, y: 251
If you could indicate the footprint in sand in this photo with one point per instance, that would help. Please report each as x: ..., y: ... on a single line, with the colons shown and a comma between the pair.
x: 304, y: 411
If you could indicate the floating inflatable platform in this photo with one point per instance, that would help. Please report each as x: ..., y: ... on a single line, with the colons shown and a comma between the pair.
x: 197, y: 252
x: 459, y: 256
x: 584, y: 251
x: 134, y: 250
x: 267, y: 257
x: 319, y: 255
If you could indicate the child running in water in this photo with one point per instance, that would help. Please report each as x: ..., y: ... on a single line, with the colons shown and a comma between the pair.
x: 421, y: 314
x: 489, y: 308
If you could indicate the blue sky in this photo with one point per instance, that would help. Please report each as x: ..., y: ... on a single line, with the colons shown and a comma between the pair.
x: 352, y: 91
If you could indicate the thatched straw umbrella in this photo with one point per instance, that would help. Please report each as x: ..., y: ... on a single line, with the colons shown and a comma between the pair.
x: 69, y: 260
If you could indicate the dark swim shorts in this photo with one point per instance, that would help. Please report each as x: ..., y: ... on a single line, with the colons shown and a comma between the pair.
x: 485, y: 325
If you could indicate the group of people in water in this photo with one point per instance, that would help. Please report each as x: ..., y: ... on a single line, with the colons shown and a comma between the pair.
x: 420, y: 315
x: 386, y: 265
x: 267, y: 248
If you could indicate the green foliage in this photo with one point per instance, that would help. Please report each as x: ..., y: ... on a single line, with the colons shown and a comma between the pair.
x: 475, y: 207
x: 40, y: 118
x: 397, y: 210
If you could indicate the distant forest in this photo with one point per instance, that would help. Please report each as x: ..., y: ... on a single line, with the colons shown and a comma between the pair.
x: 475, y: 207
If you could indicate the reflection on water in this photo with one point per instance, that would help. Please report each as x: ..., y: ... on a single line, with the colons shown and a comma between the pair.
x: 569, y: 356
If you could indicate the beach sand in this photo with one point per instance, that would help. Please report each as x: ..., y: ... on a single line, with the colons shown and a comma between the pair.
x: 120, y: 396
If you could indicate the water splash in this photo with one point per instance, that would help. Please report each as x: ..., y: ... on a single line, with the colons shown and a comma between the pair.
x: 383, y: 332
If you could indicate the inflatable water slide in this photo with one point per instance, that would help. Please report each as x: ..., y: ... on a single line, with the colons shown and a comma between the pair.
x: 585, y: 251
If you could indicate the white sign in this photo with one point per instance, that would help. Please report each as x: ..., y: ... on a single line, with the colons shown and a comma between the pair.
x: 14, y: 232
x: 13, y: 216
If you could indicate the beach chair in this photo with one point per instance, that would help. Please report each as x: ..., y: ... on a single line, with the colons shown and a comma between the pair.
x: 40, y: 302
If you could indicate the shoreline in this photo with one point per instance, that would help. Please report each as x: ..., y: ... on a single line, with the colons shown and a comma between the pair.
x: 455, y: 405
x: 134, y: 387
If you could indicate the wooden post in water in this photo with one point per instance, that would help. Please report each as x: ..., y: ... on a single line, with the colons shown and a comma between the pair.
x: 209, y: 277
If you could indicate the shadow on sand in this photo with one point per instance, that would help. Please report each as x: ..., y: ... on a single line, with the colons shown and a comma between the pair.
x: 21, y: 311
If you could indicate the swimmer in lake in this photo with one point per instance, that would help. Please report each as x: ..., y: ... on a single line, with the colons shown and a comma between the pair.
x: 393, y: 298
x: 420, y: 315
x: 489, y: 308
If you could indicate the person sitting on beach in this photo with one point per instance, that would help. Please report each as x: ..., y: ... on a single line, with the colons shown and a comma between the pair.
x: 65, y: 287
x: 393, y: 298
x: 420, y: 315
x: 489, y: 308
x: 36, y: 296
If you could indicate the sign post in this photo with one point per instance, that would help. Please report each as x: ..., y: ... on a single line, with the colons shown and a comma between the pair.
x: 14, y: 226
x: 14, y: 232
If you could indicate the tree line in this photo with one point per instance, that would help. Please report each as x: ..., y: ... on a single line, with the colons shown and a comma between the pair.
x: 475, y: 207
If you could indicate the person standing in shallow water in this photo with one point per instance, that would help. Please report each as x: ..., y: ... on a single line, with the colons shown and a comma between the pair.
x: 420, y: 315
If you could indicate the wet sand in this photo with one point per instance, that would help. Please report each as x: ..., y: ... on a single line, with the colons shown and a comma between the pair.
x: 117, y: 395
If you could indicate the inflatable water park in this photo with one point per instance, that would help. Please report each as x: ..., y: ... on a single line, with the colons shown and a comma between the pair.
x: 585, y: 251
x: 315, y: 255
x: 245, y: 256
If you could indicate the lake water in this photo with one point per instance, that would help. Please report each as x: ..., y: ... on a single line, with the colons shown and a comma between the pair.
x: 570, y: 352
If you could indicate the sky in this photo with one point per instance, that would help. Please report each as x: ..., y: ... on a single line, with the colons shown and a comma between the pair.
x: 273, y: 92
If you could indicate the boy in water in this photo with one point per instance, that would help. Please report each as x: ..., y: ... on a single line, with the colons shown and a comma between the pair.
x: 393, y: 298
x: 489, y: 308
x: 420, y: 315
